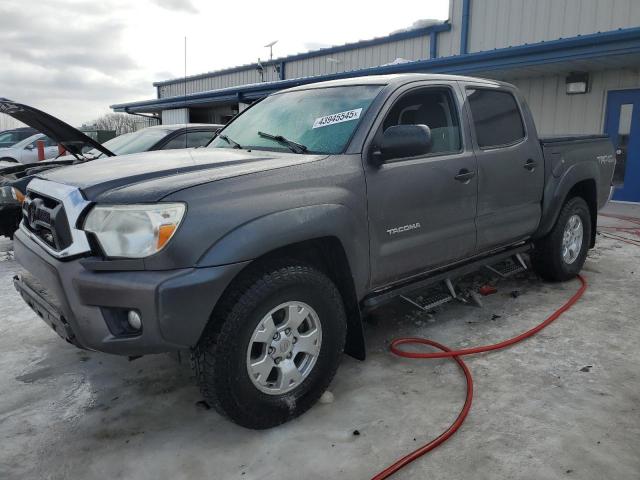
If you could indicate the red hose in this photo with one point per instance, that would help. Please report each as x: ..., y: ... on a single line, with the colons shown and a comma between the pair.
x: 455, y: 355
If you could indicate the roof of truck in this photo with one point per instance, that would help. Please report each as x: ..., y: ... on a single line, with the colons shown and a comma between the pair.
x: 397, y: 78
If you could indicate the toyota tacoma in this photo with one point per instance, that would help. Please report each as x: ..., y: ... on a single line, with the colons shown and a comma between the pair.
x: 262, y: 253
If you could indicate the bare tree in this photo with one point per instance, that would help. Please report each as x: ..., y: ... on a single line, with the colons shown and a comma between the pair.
x: 121, y: 122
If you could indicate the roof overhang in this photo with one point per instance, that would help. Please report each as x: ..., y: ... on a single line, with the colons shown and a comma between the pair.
x: 615, y: 49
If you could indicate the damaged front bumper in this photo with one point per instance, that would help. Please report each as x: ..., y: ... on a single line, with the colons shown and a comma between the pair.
x: 89, y: 308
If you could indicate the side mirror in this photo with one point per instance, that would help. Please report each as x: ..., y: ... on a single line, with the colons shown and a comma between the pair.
x: 402, y: 141
x: 31, y: 146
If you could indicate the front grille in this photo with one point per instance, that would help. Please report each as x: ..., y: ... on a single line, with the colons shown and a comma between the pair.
x: 46, y: 218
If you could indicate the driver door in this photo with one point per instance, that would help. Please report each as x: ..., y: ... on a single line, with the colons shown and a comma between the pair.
x: 422, y: 209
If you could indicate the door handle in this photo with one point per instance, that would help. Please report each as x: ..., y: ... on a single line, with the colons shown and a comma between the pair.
x: 464, y: 175
x: 530, y: 165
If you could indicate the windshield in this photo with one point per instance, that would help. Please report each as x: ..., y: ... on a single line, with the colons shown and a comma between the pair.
x: 322, y: 120
x: 28, y: 141
x: 135, y: 142
x: 9, y: 138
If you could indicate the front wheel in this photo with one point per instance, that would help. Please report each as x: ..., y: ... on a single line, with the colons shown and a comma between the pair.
x: 273, y: 346
x: 561, y: 254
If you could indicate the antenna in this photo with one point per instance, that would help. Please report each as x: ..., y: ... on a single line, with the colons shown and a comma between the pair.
x: 270, y: 47
x: 186, y: 130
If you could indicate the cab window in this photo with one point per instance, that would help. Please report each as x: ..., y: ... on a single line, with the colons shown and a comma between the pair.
x: 433, y: 107
x: 48, y: 142
x: 496, y: 117
x: 189, y: 140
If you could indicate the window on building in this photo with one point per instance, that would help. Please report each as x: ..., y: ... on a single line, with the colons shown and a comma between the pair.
x: 496, y: 117
x: 434, y: 108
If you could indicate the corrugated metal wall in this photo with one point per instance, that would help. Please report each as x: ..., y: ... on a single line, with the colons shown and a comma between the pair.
x: 449, y: 42
x: 557, y: 113
x: 177, y: 115
x: 7, y: 122
x: 224, y: 80
x: 416, y: 48
x: 409, y: 49
x: 503, y: 23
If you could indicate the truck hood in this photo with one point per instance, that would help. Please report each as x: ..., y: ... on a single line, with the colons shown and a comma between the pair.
x: 150, y: 176
x: 72, y: 139
x: 19, y: 169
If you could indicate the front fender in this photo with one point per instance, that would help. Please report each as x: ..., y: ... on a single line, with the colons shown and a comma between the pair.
x: 279, y: 229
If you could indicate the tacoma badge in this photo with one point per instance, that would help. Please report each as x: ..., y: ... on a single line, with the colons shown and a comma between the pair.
x: 405, y: 228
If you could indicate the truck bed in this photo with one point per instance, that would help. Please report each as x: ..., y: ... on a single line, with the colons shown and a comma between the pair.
x: 564, y: 153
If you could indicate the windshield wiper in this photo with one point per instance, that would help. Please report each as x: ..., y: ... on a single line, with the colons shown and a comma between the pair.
x: 293, y: 146
x: 233, y: 143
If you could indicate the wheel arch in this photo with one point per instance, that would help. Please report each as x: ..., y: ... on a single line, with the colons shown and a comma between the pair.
x: 344, y: 263
x: 578, y: 180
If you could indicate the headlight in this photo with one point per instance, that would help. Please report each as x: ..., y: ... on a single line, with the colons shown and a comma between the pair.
x: 11, y: 195
x: 134, y: 231
x: 17, y: 194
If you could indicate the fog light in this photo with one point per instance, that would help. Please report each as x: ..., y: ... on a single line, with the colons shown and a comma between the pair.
x: 134, y: 319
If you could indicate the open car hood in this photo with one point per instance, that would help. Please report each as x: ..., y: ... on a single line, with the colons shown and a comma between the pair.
x: 72, y: 139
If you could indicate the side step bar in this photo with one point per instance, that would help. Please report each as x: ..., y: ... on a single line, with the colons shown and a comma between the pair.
x: 497, y: 263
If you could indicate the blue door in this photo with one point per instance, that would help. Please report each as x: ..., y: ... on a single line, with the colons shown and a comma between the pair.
x: 622, y: 124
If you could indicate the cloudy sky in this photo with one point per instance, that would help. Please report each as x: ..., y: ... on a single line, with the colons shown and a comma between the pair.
x: 74, y: 58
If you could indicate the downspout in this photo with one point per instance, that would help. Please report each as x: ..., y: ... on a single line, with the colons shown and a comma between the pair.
x: 464, y: 36
x: 433, y: 44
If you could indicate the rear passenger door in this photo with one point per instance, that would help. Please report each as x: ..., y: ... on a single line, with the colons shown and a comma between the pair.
x: 421, y: 209
x: 510, y: 170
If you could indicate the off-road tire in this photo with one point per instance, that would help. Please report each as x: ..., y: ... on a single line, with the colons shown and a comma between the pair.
x: 547, y: 257
x: 219, y: 359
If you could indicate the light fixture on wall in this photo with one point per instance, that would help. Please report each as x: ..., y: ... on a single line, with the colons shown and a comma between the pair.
x: 577, y: 83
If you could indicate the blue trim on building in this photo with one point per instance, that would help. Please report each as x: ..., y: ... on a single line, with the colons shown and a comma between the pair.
x: 464, y: 34
x: 282, y: 70
x: 595, y: 45
x: 433, y: 45
x: 418, y: 32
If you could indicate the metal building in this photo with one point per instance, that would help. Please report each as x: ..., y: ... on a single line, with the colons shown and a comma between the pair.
x: 577, y: 62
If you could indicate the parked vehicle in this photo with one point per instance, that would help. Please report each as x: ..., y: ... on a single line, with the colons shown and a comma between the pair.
x: 26, y: 151
x: 261, y: 253
x: 8, y: 138
x: 14, y: 178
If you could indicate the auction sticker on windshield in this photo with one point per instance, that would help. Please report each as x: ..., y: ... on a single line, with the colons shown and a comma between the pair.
x: 337, y: 118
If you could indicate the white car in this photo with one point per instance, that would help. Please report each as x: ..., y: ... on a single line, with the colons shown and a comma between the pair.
x: 26, y: 151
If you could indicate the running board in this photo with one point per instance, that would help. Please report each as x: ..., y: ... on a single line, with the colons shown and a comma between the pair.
x: 504, y: 263
x: 508, y: 268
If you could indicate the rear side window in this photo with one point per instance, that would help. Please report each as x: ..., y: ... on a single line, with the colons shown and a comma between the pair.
x: 189, y: 140
x: 496, y: 117
x: 48, y: 142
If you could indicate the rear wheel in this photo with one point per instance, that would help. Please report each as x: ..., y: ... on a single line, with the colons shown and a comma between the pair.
x: 272, y: 346
x: 561, y: 254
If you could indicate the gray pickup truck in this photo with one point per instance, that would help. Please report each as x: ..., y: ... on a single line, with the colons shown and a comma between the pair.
x: 262, y: 253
